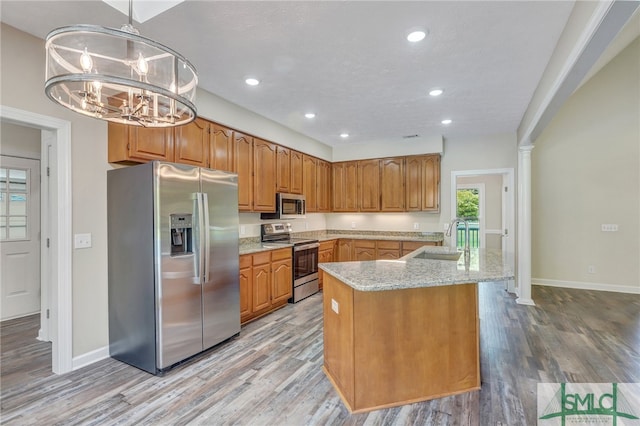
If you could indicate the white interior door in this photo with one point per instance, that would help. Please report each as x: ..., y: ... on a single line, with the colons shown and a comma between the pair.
x: 19, y: 236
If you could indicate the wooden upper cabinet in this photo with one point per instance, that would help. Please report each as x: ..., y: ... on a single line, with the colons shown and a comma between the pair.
x: 323, y: 186
x: 264, y: 176
x: 423, y: 183
x: 309, y: 182
x: 345, y: 186
x: 369, y: 185
x: 431, y: 183
x: 296, y: 173
x: 134, y: 144
x: 392, y: 192
x: 283, y: 169
x: 192, y: 143
x: 221, y: 148
x: 243, y: 166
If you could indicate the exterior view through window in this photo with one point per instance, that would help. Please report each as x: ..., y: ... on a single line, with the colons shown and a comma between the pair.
x: 468, y: 202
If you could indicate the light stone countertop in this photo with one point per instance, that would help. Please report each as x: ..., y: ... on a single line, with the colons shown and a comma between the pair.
x: 408, y: 272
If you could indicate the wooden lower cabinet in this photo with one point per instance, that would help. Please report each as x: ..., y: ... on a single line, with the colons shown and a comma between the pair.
x: 389, y: 250
x: 325, y: 255
x: 265, y: 282
x: 345, y: 250
x: 364, y: 250
x: 409, y: 246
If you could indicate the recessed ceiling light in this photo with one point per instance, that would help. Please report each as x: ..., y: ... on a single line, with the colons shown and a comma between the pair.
x: 252, y: 81
x: 344, y: 135
x: 310, y: 115
x: 436, y: 92
x: 446, y: 121
x: 416, y: 36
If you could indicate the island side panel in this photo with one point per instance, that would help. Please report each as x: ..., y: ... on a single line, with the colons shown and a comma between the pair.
x: 414, y: 345
x: 338, y: 336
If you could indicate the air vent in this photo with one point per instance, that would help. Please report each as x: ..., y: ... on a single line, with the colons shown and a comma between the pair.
x: 410, y: 136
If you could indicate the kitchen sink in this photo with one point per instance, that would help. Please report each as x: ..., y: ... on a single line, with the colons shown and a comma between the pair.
x: 438, y: 256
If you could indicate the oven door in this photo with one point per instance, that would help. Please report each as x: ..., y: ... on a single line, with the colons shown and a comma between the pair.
x: 305, y: 263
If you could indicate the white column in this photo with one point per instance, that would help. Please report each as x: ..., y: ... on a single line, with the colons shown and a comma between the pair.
x: 524, y: 226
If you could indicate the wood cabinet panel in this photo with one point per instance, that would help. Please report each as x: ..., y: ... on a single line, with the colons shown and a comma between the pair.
x: 326, y: 253
x: 221, y: 148
x: 243, y: 159
x: 296, y: 182
x: 282, y: 278
x: 392, y: 191
x: 388, y: 249
x: 369, y: 185
x: 192, y: 143
x: 431, y: 183
x: 323, y: 186
x: 264, y: 176
x: 261, y: 287
x: 309, y: 182
x: 345, y: 250
x: 283, y: 169
x: 364, y: 250
x: 246, y: 285
x: 133, y: 144
x: 409, y: 246
x: 345, y: 186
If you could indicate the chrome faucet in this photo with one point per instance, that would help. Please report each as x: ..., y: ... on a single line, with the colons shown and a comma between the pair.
x: 454, y: 223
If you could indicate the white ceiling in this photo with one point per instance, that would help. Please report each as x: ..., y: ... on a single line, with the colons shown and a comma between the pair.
x: 349, y: 61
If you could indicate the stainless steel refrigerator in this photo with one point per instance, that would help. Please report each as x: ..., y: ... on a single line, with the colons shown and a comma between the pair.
x: 173, y: 262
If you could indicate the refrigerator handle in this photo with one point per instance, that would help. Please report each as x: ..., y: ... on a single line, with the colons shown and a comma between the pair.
x: 200, y: 232
x: 207, y: 237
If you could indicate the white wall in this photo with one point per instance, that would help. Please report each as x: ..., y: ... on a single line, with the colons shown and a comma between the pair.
x: 586, y: 172
x: 19, y: 141
x: 413, y: 146
x: 22, y: 87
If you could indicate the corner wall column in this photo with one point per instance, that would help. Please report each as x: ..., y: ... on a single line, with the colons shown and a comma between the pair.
x: 524, y: 226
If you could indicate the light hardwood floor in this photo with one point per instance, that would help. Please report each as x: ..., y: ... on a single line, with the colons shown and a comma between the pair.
x: 271, y: 374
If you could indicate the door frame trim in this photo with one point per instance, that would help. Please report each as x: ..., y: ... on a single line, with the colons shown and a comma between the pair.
x: 59, y: 254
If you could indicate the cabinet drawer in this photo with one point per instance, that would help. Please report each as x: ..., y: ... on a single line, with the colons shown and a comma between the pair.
x: 364, y: 243
x: 388, y: 245
x: 262, y: 258
x: 281, y: 254
x: 245, y: 261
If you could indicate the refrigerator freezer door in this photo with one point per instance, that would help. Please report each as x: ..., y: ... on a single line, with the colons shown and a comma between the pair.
x: 178, y: 287
x: 221, y: 288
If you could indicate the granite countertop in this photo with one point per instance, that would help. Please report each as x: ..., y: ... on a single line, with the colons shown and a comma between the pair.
x: 408, y: 272
x: 427, y: 237
x: 258, y: 247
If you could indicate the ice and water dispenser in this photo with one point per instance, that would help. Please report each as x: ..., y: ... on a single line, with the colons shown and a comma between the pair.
x: 181, y: 234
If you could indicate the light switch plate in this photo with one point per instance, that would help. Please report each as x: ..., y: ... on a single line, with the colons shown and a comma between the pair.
x: 81, y: 241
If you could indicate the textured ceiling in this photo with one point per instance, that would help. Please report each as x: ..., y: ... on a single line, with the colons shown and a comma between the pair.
x: 350, y: 62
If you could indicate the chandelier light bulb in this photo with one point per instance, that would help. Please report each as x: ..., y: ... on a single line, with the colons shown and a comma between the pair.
x: 143, y: 66
x: 85, y: 61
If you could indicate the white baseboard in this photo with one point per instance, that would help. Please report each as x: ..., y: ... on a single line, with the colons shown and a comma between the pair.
x: 587, y: 286
x: 90, y: 357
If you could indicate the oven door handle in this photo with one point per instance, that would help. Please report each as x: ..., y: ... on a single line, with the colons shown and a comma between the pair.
x: 306, y: 246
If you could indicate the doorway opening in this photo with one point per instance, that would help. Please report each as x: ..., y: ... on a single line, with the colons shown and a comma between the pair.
x: 55, y: 241
x: 470, y: 205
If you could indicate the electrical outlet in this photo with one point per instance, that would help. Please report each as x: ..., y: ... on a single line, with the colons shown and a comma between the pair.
x: 591, y: 269
x: 335, y: 306
x: 306, y: 225
x: 353, y: 225
x: 416, y: 226
x: 609, y: 227
x: 81, y: 241
x: 242, y: 230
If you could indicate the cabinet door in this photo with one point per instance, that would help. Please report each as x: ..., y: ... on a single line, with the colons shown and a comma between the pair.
x: 264, y: 176
x: 243, y: 158
x: 323, y: 186
x: 369, y: 185
x: 133, y: 144
x: 392, y: 184
x: 282, y: 276
x: 364, y: 250
x: 413, y: 183
x: 283, y: 167
x: 325, y: 255
x: 221, y: 148
x: 309, y: 182
x: 261, y: 287
x: 296, y: 186
x: 192, y: 143
x: 246, y: 284
x: 344, y: 250
x: 431, y: 183
x: 388, y: 249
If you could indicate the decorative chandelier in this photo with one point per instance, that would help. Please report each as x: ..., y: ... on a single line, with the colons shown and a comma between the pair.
x: 119, y: 76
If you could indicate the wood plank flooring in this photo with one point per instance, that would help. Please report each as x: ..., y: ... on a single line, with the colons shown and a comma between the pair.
x: 271, y: 374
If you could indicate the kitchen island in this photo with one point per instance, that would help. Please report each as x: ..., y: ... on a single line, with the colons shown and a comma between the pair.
x: 403, y: 331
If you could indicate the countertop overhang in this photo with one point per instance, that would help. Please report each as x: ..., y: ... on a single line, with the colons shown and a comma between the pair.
x: 409, y: 272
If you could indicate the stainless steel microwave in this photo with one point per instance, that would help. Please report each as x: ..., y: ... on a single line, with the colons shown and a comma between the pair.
x: 288, y: 206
